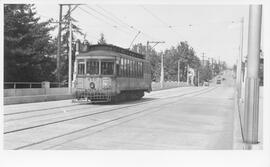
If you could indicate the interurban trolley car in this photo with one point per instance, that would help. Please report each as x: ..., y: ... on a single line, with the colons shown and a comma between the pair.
x: 107, y: 73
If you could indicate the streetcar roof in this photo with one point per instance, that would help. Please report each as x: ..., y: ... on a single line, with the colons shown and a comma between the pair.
x: 108, y: 50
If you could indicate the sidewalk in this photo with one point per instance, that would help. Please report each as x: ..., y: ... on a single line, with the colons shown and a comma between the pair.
x: 238, y: 120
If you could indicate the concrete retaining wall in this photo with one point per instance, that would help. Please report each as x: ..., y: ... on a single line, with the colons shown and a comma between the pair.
x: 53, y: 91
x: 30, y: 95
x: 23, y: 92
x: 167, y: 85
x: 34, y: 91
x: 33, y: 99
x: 17, y: 96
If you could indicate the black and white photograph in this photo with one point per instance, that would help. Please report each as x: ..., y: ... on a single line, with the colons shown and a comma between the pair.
x: 128, y: 77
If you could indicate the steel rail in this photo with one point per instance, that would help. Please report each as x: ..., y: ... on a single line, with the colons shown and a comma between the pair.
x: 51, y: 113
x: 104, y: 122
x: 73, y: 118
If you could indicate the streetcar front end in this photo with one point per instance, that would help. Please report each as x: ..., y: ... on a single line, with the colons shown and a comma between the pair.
x: 95, y: 80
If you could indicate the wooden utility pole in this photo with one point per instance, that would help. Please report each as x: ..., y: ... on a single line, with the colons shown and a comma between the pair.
x: 70, y: 52
x: 59, y: 44
x: 178, y: 72
x: 147, y: 57
x: 70, y: 44
x: 203, y: 58
x: 187, y: 75
x: 198, y: 77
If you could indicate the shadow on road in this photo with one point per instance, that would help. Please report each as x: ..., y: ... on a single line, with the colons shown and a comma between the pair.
x: 123, y: 102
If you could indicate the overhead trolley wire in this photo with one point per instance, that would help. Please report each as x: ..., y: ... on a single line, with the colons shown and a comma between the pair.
x: 100, y: 19
x: 152, y: 14
x: 124, y: 23
x: 106, y: 17
x: 115, y: 17
x: 160, y: 20
x: 113, y: 21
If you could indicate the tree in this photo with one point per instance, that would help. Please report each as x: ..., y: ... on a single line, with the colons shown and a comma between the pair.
x: 27, y: 45
x: 216, y: 69
x: 154, y: 59
x: 76, y: 31
x: 206, y: 72
x: 183, y: 53
x: 102, y: 40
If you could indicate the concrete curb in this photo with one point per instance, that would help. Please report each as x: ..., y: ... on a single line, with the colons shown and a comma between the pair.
x: 238, y: 143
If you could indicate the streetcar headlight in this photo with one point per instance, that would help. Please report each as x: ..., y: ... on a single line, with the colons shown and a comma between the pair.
x: 92, y: 85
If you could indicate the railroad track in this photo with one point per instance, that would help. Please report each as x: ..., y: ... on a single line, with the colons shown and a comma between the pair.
x: 193, y: 93
x: 64, y: 109
x: 52, y: 108
x: 43, y: 109
x: 72, y: 117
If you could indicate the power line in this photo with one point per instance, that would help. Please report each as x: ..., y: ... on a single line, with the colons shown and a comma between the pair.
x: 126, y: 24
x: 160, y: 20
x: 152, y: 14
x: 115, y: 18
x: 108, y: 18
x: 99, y: 19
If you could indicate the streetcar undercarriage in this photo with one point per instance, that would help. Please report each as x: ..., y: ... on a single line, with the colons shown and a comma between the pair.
x: 86, y: 96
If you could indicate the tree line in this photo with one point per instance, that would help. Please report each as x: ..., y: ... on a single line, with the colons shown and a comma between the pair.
x: 30, y: 50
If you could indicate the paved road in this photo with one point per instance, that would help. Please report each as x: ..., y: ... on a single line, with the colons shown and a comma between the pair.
x: 179, y: 118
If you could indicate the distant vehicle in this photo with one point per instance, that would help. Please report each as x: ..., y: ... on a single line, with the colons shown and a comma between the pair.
x: 218, y: 81
x: 223, y: 79
x: 205, y: 83
x: 107, y: 73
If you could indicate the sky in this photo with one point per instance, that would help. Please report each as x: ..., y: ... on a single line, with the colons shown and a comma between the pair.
x: 210, y: 29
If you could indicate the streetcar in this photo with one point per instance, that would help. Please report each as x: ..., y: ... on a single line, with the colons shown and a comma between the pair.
x: 108, y: 73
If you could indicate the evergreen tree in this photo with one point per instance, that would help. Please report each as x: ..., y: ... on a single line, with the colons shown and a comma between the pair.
x: 76, y: 31
x: 102, y: 40
x: 27, y: 45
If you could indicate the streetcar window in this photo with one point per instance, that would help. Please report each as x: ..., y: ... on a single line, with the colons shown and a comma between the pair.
x: 107, y: 68
x: 81, y: 68
x: 127, y: 68
x: 118, y: 67
x: 92, y: 67
x: 131, y: 68
x: 139, y: 69
x: 128, y: 63
x: 135, y: 69
x: 142, y: 64
x: 122, y: 67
